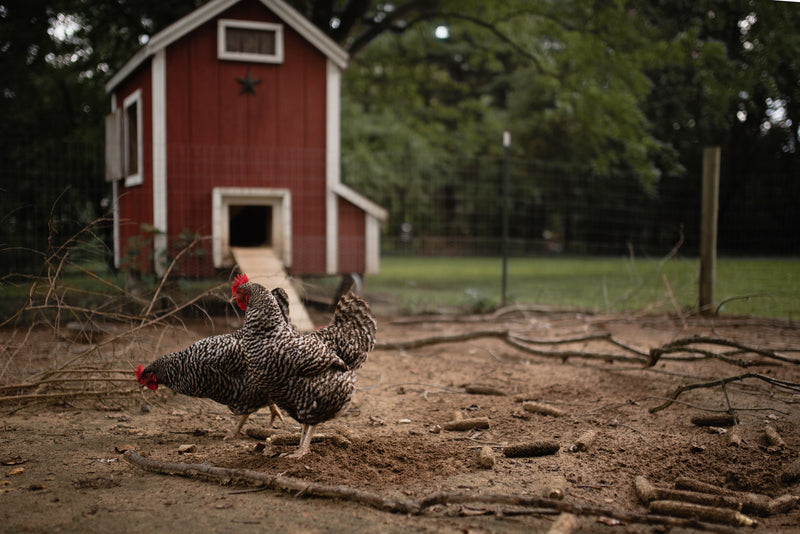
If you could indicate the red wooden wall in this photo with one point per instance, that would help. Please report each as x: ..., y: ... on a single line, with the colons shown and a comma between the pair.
x: 352, y: 232
x: 218, y: 137
x: 136, y: 202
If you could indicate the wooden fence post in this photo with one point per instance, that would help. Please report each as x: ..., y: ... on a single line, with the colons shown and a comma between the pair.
x: 708, y: 230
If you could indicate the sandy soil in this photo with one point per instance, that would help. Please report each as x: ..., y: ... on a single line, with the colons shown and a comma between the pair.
x: 61, y: 470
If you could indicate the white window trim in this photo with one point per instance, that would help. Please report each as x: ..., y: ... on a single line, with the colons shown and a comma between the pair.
x: 133, y: 98
x: 222, y: 53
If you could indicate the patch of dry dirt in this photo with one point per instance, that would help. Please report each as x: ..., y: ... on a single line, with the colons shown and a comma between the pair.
x: 74, y: 480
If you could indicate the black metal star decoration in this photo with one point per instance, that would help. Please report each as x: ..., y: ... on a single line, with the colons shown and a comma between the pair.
x: 248, y: 83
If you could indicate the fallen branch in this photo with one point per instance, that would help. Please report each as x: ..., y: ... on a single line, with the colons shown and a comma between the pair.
x: 792, y: 386
x: 499, y: 313
x: 698, y: 511
x: 565, y: 355
x: 455, y: 338
x: 648, y: 493
x: 65, y: 394
x: 685, y: 345
x: 523, y: 344
x: 752, y: 503
x: 400, y: 505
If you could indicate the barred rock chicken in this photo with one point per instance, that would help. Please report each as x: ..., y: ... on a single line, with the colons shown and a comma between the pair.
x: 216, y: 368
x: 312, y: 376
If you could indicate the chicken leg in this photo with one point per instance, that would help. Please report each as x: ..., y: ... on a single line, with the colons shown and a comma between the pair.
x: 275, y: 413
x: 238, y: 430
x: 306, y: 432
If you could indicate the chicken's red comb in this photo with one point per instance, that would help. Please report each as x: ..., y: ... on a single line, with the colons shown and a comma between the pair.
x: 139, y: 373
x: 239, y: 280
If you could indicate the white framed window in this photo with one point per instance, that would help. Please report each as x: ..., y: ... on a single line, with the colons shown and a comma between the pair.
x: 246, y: 40
x: 132, y: 138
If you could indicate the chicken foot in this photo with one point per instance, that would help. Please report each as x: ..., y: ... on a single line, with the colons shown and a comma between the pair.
x: 306, y: 432
x: 275, y: 413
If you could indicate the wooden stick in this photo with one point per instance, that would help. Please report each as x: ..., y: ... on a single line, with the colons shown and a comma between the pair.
x: 702, y: 513
x: 517, y: 342
x: 735, y: 436
x: 752, y: 503
x: 401, y: 505
x: 684, y: 345
x: 713, y: 420
x: 65, y: 394
x: 475, y: 389
x: 544, y: 409
x: 713, y: 383
x: 648, y: 493
x: 773, y: 438
x: 454, y: 338
x: 782, y: 504
x: 534, y: 448
x: 474, y: 423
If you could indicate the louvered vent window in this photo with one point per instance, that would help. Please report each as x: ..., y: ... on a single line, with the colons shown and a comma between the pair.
x: 241, y: 40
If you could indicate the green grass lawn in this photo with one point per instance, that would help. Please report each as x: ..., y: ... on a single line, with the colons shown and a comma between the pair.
x: 762, y: 287
x: 765, y: 287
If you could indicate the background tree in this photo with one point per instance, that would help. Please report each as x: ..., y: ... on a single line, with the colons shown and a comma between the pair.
x: 634, y: 88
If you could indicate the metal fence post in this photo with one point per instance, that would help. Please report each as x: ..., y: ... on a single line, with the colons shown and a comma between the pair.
x: 506, y: 209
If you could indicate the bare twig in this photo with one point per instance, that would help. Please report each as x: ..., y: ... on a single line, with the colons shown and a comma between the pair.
x: 792, y: 386
x: 62, y: 395
x: 685, y: 345
x: 400, y: 505
x: 165, y: 276
x: 455, y: 338
x: 498, y: 314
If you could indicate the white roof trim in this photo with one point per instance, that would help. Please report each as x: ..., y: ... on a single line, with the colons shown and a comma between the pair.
x: 207, y: 11
x: 361, y: 201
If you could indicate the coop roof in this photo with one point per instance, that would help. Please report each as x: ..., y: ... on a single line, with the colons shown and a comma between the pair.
x: 360, y: 201
x: 206, y: 12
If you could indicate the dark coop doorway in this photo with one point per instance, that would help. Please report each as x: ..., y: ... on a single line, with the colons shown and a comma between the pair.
x: 250, y: 226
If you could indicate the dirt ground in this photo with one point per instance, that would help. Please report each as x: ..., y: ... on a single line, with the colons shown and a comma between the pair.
x: 61, y: 471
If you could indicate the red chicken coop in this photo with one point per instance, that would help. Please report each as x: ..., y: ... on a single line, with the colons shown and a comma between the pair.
x: 224, y: 132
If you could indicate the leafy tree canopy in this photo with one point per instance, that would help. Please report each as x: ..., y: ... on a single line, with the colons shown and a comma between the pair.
x: 637, y: 85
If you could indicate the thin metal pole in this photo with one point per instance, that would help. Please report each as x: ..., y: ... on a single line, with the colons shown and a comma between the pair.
x: 506, y: 209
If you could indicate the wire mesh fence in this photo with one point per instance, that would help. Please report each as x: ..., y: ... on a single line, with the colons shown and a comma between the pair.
x: 438, y: 206
x: 48, y: 193
x: 454, y: 207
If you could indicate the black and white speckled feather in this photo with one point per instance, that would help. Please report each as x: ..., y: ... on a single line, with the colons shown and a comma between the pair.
x: 213, y: 368
x: 352, y: 334
x: 304, y: 374
x: 216, y: 368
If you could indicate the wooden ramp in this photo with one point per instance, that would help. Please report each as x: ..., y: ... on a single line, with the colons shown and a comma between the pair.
x: 261, y: 265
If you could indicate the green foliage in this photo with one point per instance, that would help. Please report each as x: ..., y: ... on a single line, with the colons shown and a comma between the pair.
x: 625, y: 87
